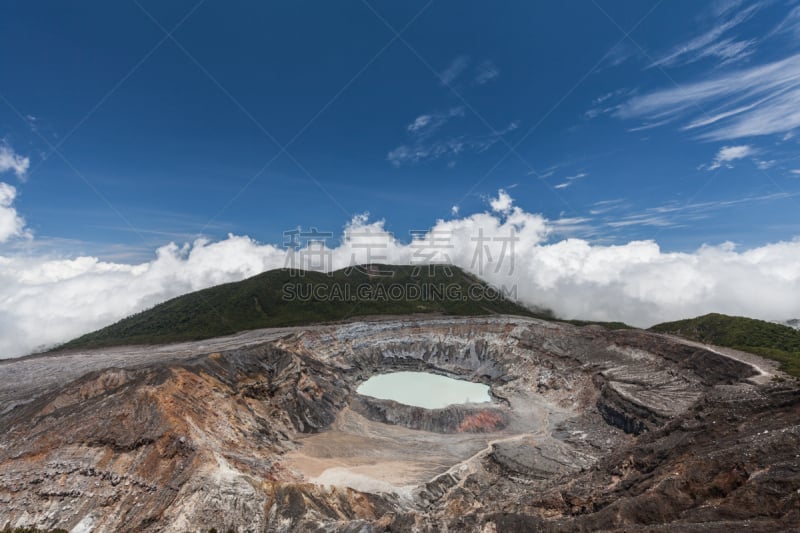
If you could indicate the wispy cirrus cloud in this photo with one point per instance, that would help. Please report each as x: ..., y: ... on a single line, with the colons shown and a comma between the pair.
x: 677, y: 214
x: 454, y: 70
x: 614, y: 215
x: 761, y: 100
x: 643, y: 220
x: 716, y: 42
x: 450, y: 148
x: 572, y: 226
x: 697, y: 207
x: 570, y: 179
x: 486, y: 72
x: 607, y: 103
x: 790, y: 25
x: 618, y: 216
x: 425, y: 145
x: 619, y: 54
x: 605, y: 206
x: 459, y: 67
x: 428, y: 123
x: 577, y: 176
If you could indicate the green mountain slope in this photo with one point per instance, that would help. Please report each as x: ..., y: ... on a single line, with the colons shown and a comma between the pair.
x: 774, y: 341
x: 286, y: 298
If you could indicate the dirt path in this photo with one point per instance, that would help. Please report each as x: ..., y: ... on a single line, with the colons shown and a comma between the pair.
x: 766, y: 368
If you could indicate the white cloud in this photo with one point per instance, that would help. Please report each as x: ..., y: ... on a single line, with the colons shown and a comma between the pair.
x: 795, y: 171
x: 764, y: 165
x: 11, y: 224
x: 761, y: 100
x: 503, y: 202
x: 454, y: 70
x: 727, y: 154
x: 47, y: 300
x: 454, y: 210
x: 486, y: 72
x: 11, y: 161
x: 563, y: 185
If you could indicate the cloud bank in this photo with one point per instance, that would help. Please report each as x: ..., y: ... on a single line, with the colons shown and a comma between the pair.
x: 46, y: 300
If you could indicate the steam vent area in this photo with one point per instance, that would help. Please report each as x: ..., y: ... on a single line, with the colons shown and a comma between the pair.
x: 428, y: 424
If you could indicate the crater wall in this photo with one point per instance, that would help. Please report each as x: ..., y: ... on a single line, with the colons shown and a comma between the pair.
x: 265, y: 431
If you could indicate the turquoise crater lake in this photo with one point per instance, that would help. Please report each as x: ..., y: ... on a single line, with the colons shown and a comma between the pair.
x: 421, y: 389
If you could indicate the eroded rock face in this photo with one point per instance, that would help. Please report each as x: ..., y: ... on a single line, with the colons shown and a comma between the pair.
x: 589, y: 429
x: 451, y: 419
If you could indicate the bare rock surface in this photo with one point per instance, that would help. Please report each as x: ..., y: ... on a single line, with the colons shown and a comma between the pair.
x: 588, y: 430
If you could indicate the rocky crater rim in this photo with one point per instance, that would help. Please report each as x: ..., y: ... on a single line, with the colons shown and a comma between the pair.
x: 258, y: 427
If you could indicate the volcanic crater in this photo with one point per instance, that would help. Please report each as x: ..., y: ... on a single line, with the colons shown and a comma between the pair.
x: 587, y: 429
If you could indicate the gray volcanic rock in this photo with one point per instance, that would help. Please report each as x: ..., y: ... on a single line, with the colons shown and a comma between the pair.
x: 264, y: 431
x: 450, y: 419
x: 529, y: 457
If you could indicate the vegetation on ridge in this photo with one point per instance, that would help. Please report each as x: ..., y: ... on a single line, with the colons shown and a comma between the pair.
x: 294, y: 298
x: 290, y: 298
x: 774, y: 341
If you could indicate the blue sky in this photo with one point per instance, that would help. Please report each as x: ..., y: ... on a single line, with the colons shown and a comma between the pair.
x: 618, y: 121
x: 644, y: 153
